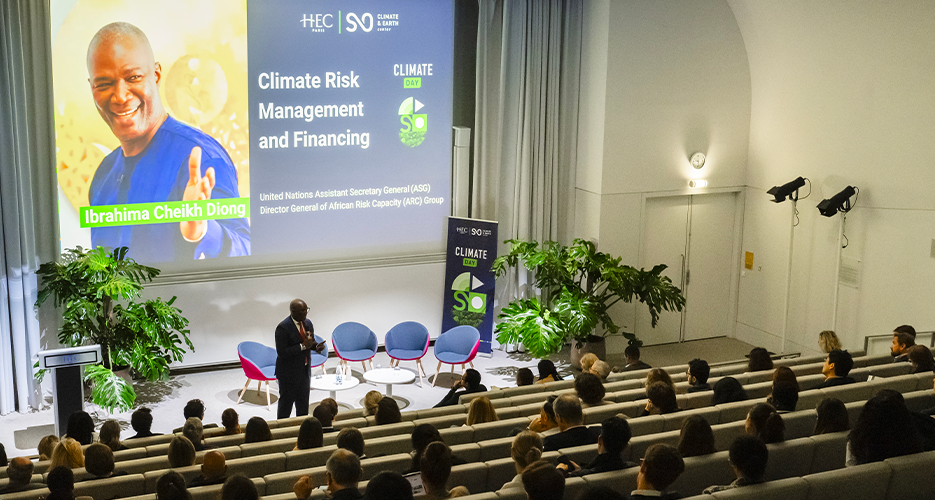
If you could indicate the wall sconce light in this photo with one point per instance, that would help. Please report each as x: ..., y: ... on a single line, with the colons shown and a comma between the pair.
x: 697, y: 183
x: 840, y: 202
x: 781, y: 192
x: 697, y: 160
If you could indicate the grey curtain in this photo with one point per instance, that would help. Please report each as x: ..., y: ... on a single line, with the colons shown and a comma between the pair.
x: 28, y: 202
x: 528, y: 64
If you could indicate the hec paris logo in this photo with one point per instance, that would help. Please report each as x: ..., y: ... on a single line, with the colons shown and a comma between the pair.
x: 414, y: 125
x: 465, y: 298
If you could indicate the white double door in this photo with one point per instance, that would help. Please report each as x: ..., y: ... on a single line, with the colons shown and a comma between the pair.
x: 694, y: 235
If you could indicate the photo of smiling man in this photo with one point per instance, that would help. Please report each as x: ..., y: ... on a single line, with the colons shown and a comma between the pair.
x: 160, y: 159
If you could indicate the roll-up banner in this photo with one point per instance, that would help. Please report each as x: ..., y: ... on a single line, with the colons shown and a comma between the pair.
x: 469, y: 281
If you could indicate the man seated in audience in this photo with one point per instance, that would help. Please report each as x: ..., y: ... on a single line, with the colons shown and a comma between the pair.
x: 661, y: 466
x: 470, y: 382
x: 542, y: 481
x: 524, y: 376
x: 906, y: 329
x: 142, y: 423
x: 342, y: 473
x: 388, y: 485
x: 239, y: 487
x: 351, y: 439
x: 902, y: 341
x: 632, y: 355
x: 661, y: 400
x: 99, y: 461
x: 20, y: 473
x: 436, y: 469
x: 698, y: 372
x: 194, y: 408
x: 213, y: 470
x: 614, y: 438
x: 324, y: 415
x: 748, y: 456
x: 837, y: 365
x: 601, y: 369
x: 195, y: 433
x: 572, y: 431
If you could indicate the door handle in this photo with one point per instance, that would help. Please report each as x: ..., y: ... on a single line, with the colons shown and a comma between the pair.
x: 683, y: 278
x: 688, y: 277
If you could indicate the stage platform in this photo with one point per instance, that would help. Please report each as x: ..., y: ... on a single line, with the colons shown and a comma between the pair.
x: 20, y: 433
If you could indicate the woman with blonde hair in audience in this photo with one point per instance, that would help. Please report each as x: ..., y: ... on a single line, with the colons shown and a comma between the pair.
x: 371, y: 403
x: 526, y: 449
x: 46, y: 445
x: 67, y: 453
x: 110, y: 435
x: 587, y: 361
x: 828, y: 341
x: 696, y: 438
x: 231, y: 422
x: 181, y: 452
x: 659, y: 375
x: 481, y: 411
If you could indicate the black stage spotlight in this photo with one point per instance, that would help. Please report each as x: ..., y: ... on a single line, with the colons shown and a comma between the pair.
x: 780, y: 192
x: 840, y: 202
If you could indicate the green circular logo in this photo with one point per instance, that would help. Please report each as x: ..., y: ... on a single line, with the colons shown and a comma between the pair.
x: 415, y: 124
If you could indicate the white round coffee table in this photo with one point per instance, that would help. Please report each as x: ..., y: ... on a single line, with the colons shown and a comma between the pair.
x: 329, y: 382
x: 390, y: 376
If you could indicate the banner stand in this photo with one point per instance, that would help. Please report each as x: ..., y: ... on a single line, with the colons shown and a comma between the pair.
x: 469, y: 281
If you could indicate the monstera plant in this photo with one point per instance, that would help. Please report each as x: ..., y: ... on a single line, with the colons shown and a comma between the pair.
x: 578, y: 286
x: 98, y: 292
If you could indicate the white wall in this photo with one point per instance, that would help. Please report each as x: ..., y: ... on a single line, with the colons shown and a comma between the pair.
x: 841, y: 94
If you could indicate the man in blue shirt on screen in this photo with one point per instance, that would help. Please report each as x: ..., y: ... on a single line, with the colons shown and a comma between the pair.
x: 159, y: 158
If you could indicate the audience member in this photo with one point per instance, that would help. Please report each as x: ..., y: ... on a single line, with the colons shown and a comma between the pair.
x: 80, y: 428
x: 614, y: 438
x: 601, y: 369
x: 325, y: 417
x: 61, y: 483
x: 785, y: 374
x: 99, y: 461
x: 481, y: 411
x: 371, y: 402
x: 46, y: 445
x: 547, y: 372
x: 921, y: 359
x: 526, y: 449
x: 20, y: 474
x: 545, y: 423
x: 332, y: 404
x: 388, y: 412
x: 632, y: 356
x: 884, y: 429
x: 659, y: 375
x: 195, y: 433
x: 587, y: 361
x: 696, y: 438
x: 542, y: 481
x: 661, y: 466
x: 728, y: 390
x: 213, y: 470
x: 194, y: 408
x: 902, y: 341
x: 142, y: 423
x: 351, y: 439
x: 342, y: 472
x: 4, y: 461
x: 388, y: 486
x: 908, y: 329
x: 748, y: 456
x: 470, y: 382
x: 181, y: 452
x: 422, y: 436
x: 436, y: 468
x: 760, y: 360
x: 764, y: 422
x: 661, y: 400
x: 110, y: 435
x: 599, y: 493
x: 832, y: 417
x: 698, y: 372
x: 828, y: 341
x: 310, y: 435
x: 590, y: 390
x: 171, y: 486
x: 231, y: 422
x: 524, y: 377
x: 239, y: 487
x: 785, y: 396
x: 257, y: 431
x: 67, y: 453
x: 837, y: 365
x: 570, y: 420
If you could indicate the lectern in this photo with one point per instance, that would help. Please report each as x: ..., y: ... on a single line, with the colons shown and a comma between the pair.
x: 67, y: 382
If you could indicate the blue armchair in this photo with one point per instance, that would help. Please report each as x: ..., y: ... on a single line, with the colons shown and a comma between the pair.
x: 354, y: 342
x: 408, y: 341
x: 456, y: 346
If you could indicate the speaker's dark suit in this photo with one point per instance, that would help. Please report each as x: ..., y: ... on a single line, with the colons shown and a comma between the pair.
x: 292, y: 368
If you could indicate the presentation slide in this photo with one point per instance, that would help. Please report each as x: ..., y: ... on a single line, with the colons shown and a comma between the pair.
x: 273, y: 131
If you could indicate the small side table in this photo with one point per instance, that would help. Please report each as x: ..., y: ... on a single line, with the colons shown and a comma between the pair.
x: 329, y: 382
x: 390, y: 376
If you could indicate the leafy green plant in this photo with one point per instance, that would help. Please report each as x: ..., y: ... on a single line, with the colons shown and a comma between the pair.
x: 98, y: 291
x: 578, y: 286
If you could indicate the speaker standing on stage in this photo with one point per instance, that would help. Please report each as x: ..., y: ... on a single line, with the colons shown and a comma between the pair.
x: 295, y: 341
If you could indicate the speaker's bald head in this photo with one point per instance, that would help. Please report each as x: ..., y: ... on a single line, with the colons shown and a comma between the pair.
x: 118, y: 33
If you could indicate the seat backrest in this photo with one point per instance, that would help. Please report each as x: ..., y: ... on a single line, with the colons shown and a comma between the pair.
x: 783, y: 489
x: 862, y: 481
x: 462, y: 339
x: 353, y: 336
x: 257, y: 353
x: 408, y: 335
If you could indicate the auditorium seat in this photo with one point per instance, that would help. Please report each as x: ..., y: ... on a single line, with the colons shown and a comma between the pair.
x: 865, y: 481
x: 790, y: 458
x: 911, y: 477
x: 213, y: 492
x: 783, y: 489
x: 112, y: 487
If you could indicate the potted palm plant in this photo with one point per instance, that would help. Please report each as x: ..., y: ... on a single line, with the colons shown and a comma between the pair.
x: 98, y: 291
x: 578, y: 286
